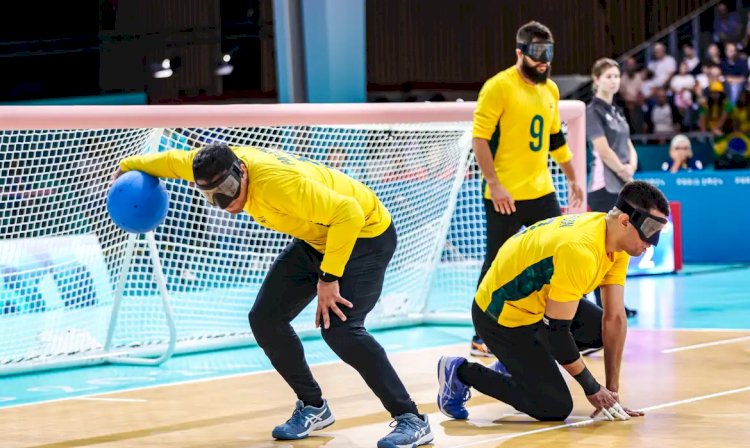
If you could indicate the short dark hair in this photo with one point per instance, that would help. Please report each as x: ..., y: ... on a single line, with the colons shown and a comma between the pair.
x: 533, y: 30
x: 644, y: 196
x: 212, y: 160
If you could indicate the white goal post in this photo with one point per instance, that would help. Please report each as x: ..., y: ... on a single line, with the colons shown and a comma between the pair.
x: 75, y: 290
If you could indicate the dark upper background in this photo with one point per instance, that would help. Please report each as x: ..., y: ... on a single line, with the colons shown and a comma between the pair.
x: 86, y: 47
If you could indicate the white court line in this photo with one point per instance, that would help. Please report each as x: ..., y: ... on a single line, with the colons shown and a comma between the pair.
x: 203, y: 379
x: 124, y: 400
x: 591, y: 420
x: 336, y: 361
x: 706, y: 344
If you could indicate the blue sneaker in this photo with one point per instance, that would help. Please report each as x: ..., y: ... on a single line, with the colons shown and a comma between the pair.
x: 304, y: 420
x: 499, y: 367
x: 452, y: 393
x: 410, y: 431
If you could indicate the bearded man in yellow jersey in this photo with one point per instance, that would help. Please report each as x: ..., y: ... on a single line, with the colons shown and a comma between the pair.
x: 529, y: 311
x: 344, y: 240
x: 516, y: 128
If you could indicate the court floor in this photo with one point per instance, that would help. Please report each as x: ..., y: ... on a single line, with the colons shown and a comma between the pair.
x: 685, y: 364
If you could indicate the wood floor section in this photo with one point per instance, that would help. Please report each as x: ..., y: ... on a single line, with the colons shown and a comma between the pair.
x: 240, y: 412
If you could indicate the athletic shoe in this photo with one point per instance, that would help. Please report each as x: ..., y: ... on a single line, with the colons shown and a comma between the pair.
x: 479, y: 348
x: 409, y: 431
x: 499, y: 367
x: 304, y: 420
x: 452, y: 393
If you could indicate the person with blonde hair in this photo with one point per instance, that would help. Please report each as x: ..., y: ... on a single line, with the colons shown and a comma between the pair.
x: 681, y: 156
x: 615, y: 159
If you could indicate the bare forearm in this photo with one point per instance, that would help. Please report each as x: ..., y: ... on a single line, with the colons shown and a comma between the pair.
x: 575, y: 367
x: 611, y: 160
x: 633, y: 156
x: 613, y: 333
x: 570, y: 172
x: 484, y: 159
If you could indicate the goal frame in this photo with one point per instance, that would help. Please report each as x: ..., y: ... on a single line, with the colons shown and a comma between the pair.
x: 205, y: 116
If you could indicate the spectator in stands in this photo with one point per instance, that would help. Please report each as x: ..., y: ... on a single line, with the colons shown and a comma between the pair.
x: 662, y: 64
x: 740, y: 113
x: 709, y: 73
x: 713, y: 55
x: 691, y: 59
x: 683, y: 80
x: 682, y: 86
x: 727, y: 26
x: 714, y: 110
x: 681, y: 156
x: 734, y: 68
x: 648, y: 85
x: 662, y: 117
x: 631, y: 82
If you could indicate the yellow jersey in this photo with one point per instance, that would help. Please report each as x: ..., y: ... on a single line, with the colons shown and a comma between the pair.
x: 526, y: 116
x: 562, y: 258
x: 302, y: 198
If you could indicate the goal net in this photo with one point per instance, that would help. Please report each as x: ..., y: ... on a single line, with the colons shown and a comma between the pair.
x: 75, y: 289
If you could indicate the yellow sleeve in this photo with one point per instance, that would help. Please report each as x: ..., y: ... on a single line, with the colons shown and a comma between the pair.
x: 617, y: 273
x: 488, y: 111
x: 574, y: 266
x: 173, y: 164
x: 563, y: 153
x: 315, y: 202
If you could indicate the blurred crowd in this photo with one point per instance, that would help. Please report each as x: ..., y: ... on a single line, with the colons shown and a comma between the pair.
x: 700, y: 89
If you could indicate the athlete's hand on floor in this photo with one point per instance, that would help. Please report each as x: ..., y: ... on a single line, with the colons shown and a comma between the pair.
x: 328, y: 300
x: 633, y: 413
x: 605, y: 401
x: 501, y: 199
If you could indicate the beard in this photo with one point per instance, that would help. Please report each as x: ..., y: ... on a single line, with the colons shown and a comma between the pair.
x: 531, y: 73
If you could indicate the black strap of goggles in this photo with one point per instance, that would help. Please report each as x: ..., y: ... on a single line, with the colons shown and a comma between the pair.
x: 634, y: 213
x: 624, y: 207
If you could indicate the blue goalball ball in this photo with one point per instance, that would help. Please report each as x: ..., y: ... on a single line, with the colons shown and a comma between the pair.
x: 137, y: 202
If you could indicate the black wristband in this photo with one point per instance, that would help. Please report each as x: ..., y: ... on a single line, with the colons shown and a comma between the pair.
x: 327, y: 278
x: 588, y: 382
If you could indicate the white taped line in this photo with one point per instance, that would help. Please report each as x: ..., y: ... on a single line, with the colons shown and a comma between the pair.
x: 124, y: 400
x: 707, y: 344
x: 591, y: 420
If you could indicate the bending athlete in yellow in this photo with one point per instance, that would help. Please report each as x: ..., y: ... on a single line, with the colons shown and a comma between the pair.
x: 529, y: 311
x: 344, y: 240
